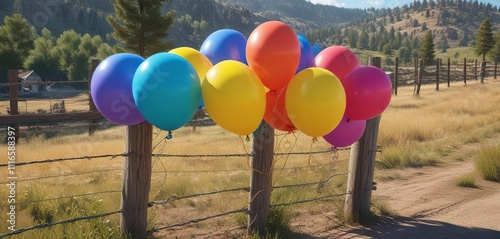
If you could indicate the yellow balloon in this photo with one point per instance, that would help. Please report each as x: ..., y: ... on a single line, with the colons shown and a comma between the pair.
x: 315, y: 101
x: 200, y: 62
x: 234, y: 97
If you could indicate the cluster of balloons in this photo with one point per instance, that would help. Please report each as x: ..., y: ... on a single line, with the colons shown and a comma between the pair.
x: 275, y: 75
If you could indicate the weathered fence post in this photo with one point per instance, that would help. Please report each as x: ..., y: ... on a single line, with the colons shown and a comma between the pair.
x: 13, y: 79
x: 361, y: 169
x: 483, y: 71
x: 475, y: 69
x: 396, y: 72
x: 419, y: 78
x: 136, y: 181
x: 449, y: 71
x: 92, y: 107
x: 438, y: 65
x: 261, y: 179
x: 495, y: 71
x: 465, y: 71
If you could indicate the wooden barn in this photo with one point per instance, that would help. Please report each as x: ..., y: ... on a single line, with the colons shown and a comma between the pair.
x: 30, y: 76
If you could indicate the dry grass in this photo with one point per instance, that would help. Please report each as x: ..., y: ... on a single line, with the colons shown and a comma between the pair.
x: 414, y: 131
x: 487, y: 163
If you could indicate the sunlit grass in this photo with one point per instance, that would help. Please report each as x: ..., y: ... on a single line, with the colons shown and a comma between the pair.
x: 487, y: 163
x: 414, y: 132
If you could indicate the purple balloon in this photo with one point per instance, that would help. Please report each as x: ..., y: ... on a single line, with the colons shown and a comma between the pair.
x: 111, y: 88
x: 346, y: 133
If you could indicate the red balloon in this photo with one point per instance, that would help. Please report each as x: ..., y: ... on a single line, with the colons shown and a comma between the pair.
x: 276, y: 114
x: 273, y: 53
x: 368, y: 92
x: 337, y: 59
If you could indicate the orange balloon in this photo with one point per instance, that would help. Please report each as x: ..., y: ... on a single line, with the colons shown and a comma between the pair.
x: 273, y: 53
x: 276, y: 115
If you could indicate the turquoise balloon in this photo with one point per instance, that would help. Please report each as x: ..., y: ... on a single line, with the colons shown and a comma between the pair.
x: 166, y: 90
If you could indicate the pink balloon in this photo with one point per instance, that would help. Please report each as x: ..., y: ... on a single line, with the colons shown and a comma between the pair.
x: 346, y: 133
x: 368, y: 92
x: 337, y: 59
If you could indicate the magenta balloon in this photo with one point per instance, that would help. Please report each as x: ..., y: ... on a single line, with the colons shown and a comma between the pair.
x: 368, y: 92
x: 346, y: 133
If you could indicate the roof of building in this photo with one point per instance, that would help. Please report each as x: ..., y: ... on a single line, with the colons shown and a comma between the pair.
x: 25, y: 74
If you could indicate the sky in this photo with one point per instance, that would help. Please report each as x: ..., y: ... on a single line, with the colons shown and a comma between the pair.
x: 378, y: 3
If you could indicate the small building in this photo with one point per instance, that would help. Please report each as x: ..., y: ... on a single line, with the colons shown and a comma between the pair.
x: 30, y: 76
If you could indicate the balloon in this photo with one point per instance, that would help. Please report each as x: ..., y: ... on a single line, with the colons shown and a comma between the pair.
x: 234, y: 97
x: 273, y: 53
x: 306, y: 54
x: 316, y: 49
x: 166, y: 90
x: 225, y: 44
x: 337, y: 59
x: 368, y: 91
x: 111, y: 88
x: 346, y: 133
x: 315, y: 101
x: 200, y: 63
x: 276, y: 114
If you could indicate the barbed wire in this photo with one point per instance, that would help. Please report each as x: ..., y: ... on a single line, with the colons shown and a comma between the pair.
x: 59, y: 198
x: 309, y: 200
x: 199, y: 219
x: 38, y: 226
x: 241, y: 155
x: 112, y: 156
x: 45, y: 83
x: 64, y: 175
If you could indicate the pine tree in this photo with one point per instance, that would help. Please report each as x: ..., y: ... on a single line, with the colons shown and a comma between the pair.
x: 44, y: 58
x: 141, y: 27
x: 495, y: 51
x: 17, y: 38
x: 426, y: 49
x: 443, y: 43
x: 484, y: 38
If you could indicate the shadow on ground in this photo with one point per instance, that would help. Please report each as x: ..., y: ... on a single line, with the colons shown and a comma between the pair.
x: 408, y: 228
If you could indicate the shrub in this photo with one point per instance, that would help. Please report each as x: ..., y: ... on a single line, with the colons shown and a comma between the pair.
x: 487, y: 163
x: 467, y: 180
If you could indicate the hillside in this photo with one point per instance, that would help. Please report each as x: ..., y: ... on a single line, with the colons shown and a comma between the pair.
x: 196, y: 19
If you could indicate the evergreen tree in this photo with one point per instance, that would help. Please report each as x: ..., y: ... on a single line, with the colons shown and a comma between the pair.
x: 363, y: 40
x: 141, y: 27
x: 484, y: 38
x: 426, y: 49
x: 17, y: 38
x: 443, y: 43
x: 44, y: 58
x: 495, y: 51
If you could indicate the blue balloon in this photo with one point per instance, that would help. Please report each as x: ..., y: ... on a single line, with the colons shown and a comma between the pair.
x: 225, y: 44
x: 317, y: 48
x: 111, y: 88
x: 306, y: 54
x: 166, y: 90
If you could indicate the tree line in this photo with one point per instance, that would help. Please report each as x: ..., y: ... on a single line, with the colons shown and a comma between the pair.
x: 66, y: 57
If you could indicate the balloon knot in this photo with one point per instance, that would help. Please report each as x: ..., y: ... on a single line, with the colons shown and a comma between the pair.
x: 169, y: 135
x: 315, y: 139
x: 248, y: 138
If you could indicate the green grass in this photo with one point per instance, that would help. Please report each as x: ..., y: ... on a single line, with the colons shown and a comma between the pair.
x: 382, y: 208
x: 466, y: 180
x: 487, y: 163
x: 404, y: 157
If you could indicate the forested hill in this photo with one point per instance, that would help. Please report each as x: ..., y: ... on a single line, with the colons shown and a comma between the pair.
x: 195, y: 18
x: 302, y: 12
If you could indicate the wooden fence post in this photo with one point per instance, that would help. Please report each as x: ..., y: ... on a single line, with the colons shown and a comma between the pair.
x: 438, y: 65
x: 419, y: 78
x: 396, y: 72
x: 92, y: 107
x: 495, y: 71
x: 449, y: 71
x: 13, y: 79
x: 482, y: 74
x: 475, y: 69
x: 136, y: 181
x: 361, y: 169
x: 465, y: 71
x: 261, y: 180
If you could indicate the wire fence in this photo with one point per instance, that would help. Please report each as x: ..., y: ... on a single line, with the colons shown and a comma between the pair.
x: 171, y: 198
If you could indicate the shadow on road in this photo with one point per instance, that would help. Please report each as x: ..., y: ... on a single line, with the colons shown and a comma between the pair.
x: 408, y: 228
